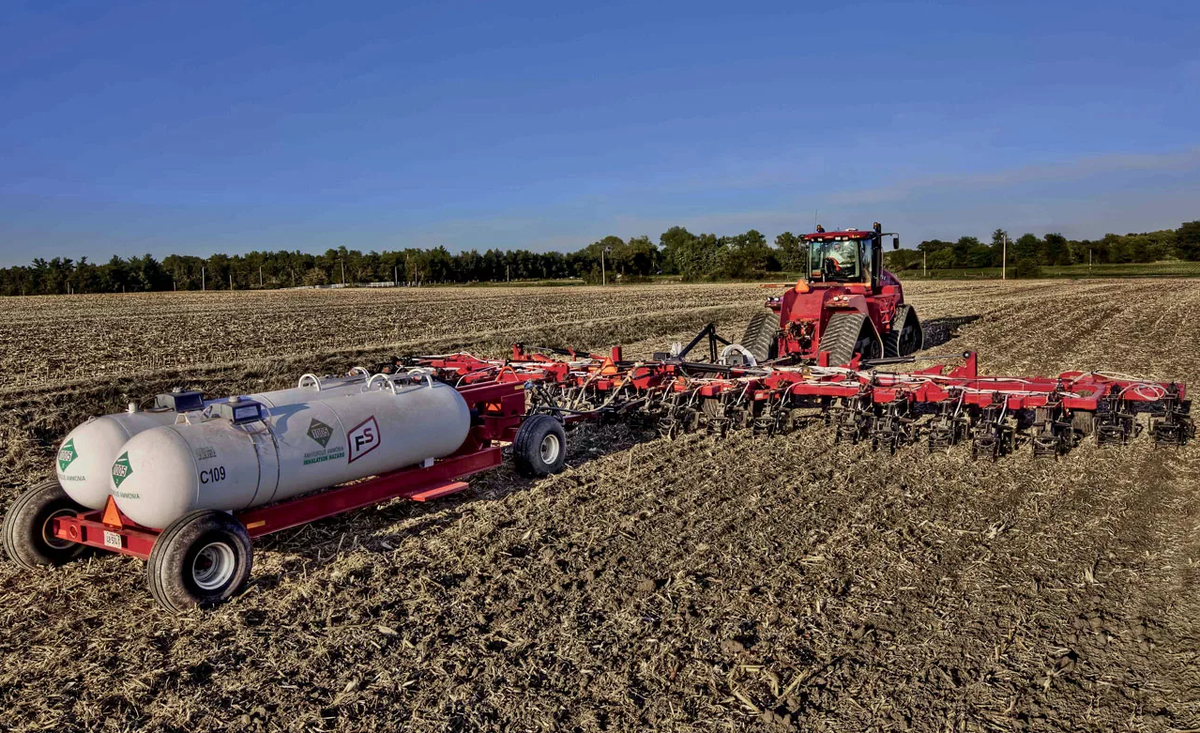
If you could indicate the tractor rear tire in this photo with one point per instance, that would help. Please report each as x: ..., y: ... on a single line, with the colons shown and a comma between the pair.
x: 201, y: 559
x: 761, y: 337
x: 906, y: 336
x: 540, y: 447
x: 847, y: 334
x: 28, y: 540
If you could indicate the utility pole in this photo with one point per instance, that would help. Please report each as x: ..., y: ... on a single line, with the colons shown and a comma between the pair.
x: 343, y: 272
x: 260, y: 276
x: 231, y: 279
x: 508, y: 273
x: 396, y: 276
x: 1004, y: 260
x: 1089, y: 260
x: 924, y: 273
x: 203, y: 283
x: 603, y: 271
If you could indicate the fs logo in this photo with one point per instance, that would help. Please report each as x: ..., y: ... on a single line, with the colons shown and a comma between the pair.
x: 363, y: 439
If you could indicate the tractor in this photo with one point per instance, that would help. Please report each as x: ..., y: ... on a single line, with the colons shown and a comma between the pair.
x: 846, y: 305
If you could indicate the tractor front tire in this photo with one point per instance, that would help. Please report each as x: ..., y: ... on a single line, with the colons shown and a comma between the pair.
x: 848, y: 333
x: 201, y: 559
x: 906, y: 336
x: 540, y: 447
x: 761, y: 337
x: 29, y: 539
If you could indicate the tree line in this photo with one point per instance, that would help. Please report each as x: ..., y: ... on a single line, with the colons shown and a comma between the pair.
x: 1027, y: 253
x: 677, y: 252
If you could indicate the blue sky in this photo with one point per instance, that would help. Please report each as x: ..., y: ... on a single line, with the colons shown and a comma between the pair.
x: 132, y: 127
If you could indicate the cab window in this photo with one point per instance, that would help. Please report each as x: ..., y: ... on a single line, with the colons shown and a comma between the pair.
x: 838, y: 260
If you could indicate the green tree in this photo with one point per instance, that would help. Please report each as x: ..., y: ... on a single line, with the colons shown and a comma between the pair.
x: 791, y: 251
x: 673, y: 243
x: 1188, y: 241
x: 1055, y: 251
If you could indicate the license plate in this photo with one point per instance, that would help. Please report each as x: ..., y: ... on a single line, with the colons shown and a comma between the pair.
x: 112, y: 539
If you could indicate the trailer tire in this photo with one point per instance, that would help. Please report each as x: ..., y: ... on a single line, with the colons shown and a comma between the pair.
x: 201, y: 559
x: 27, y: 538
x: 540, y: 447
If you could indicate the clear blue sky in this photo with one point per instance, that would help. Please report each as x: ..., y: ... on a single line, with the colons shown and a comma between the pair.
x: 219, y: 126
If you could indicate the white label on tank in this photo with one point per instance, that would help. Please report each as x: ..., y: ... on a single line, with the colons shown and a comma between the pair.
x: 363, y: 438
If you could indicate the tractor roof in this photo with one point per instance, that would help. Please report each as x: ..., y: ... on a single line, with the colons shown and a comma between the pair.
x: 848, y: 234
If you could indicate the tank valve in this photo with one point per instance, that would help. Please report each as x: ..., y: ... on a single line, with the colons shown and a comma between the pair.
x: 133, y: 407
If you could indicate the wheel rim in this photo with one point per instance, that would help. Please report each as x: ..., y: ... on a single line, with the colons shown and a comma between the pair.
x: 549, y: 449
x: 213, y: 566
x: 55, y: 543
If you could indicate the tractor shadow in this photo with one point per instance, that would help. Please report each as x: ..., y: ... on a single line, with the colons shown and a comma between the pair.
x: 941, y: 330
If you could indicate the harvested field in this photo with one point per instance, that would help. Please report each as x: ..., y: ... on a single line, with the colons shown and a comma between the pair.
x: 701, y: 584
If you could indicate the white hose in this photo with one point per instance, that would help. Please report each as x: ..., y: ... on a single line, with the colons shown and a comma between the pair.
x: 739, y: 349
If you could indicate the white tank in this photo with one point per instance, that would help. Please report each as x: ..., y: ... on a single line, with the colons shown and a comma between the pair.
x: 85, y: 458
x: 225, y: 464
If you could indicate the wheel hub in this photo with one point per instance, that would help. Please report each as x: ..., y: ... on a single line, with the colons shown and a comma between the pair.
x: 213, y: 566
x: 549, y: 449
x: 48, y: 537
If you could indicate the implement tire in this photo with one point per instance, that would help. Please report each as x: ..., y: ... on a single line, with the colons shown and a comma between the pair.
x: 540, y: 447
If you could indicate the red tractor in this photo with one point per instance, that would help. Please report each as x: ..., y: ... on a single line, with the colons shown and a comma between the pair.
x: 847, y: 304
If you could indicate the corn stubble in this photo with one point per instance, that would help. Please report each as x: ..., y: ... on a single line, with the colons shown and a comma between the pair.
x: 747, y: 583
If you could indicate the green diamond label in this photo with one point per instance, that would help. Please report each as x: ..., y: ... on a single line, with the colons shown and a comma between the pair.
x: 121, y: 470
x: 320, y: 432
x: 66, y: 454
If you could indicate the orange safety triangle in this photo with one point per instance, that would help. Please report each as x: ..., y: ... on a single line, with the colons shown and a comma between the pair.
x: 112, y: 515
x: 608, y: 367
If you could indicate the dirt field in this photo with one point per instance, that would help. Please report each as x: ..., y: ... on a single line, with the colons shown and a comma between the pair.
x: 702, y: 584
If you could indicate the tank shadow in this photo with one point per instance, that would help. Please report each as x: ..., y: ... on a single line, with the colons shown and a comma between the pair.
x: 372, y: 528
x: 940, y: 330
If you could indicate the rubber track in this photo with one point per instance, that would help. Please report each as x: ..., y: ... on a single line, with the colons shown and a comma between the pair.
x: 841, y: 336
x: 760, y: 335
x: 891, y: 342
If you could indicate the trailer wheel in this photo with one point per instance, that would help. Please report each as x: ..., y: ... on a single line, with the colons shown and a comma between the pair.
x: 28, y: 537
x: 201, y: 559
x: 540, y: 447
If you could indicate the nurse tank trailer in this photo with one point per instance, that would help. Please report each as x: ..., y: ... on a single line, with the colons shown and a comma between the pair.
x: 188, y: 483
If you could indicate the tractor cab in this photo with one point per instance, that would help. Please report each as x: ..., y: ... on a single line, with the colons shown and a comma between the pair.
x: 847, y: 257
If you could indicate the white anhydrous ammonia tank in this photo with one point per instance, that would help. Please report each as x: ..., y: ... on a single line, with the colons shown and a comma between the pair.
x: 168, y: 471
x: 85, y: 458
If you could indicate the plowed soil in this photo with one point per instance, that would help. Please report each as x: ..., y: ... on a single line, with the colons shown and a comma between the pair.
x: 707, y: 584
